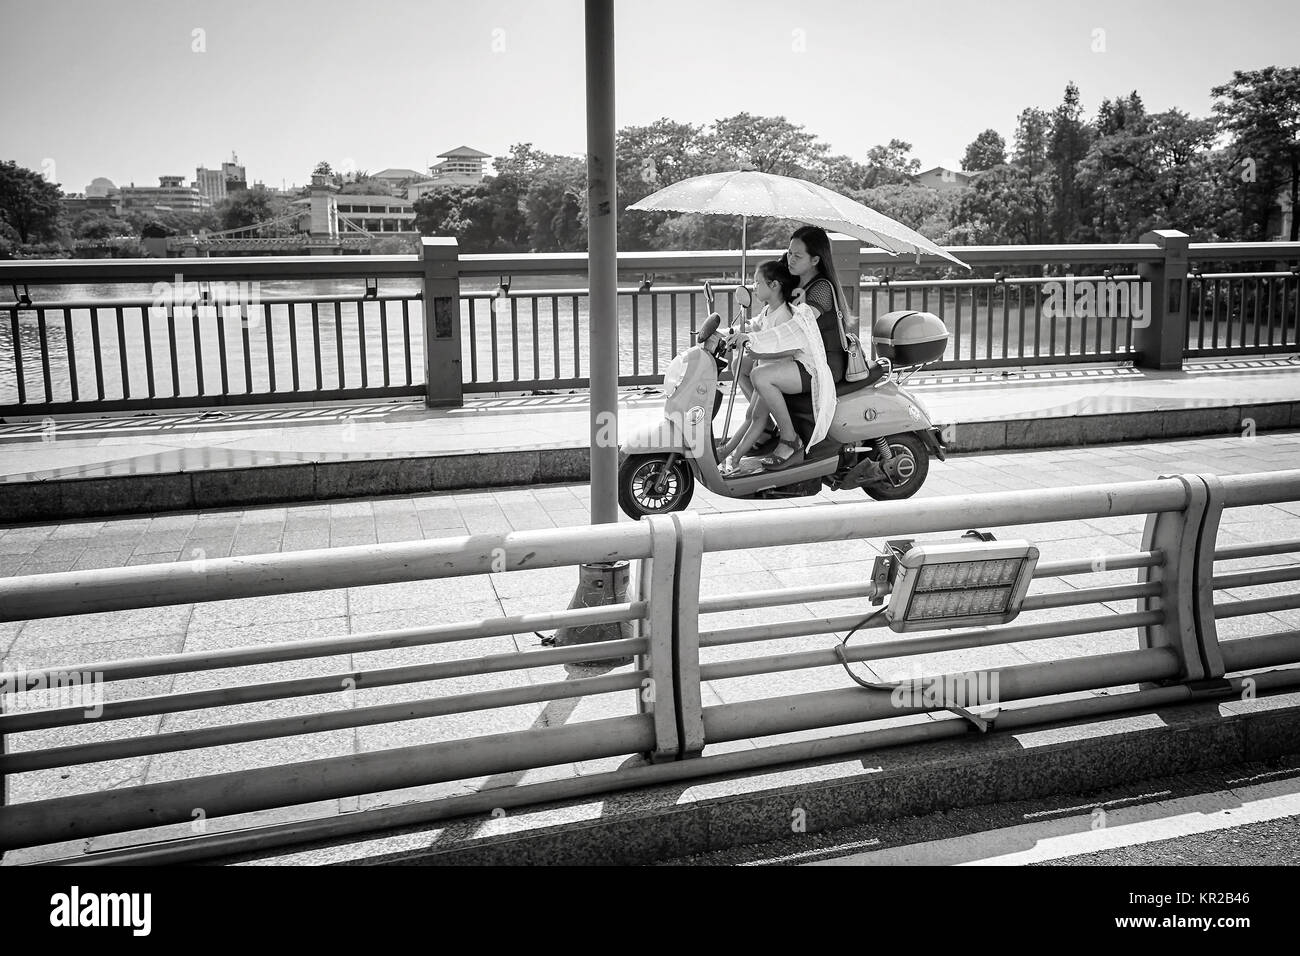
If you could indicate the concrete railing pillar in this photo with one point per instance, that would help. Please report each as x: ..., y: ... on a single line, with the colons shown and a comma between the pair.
x: 1160, y: 337
x: 1186, y: 539
x: 440, y: 261
x: 846, y: 252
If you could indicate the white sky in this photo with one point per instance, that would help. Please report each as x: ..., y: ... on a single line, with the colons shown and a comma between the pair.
x: 115, y: 87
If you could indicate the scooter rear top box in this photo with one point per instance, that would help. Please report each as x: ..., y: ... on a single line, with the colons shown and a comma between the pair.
x: 907, y: 337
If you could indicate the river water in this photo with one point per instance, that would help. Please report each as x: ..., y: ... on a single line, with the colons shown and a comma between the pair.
x: 542, y: 331
x: 548, y: 343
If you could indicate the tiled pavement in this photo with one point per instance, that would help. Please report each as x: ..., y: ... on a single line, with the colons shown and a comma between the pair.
x: 1049, y: 398
x: 37, y: 549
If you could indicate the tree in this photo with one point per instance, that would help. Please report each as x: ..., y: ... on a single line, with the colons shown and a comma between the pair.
x: 987, y: 150
x: 1154, y: 172
x: 177, y: 222
x: 484, y: 217
x: 1123, y: 112
x: 930, y: 212
x: 1261, y: 110
x: 365, y: 186
x: 890, y: 164
x: 555, y: 207
x: 1067, y: 143
x: 649, y: 158
x: 769, y: 144
x: 843, y: 174
x: 1006, y: 205
x: 250, y: 206
x: 1031, y: 140
x: 654, y: 156
x: 503, y: 203
x: 98, y: 225
x: 156, y: 230
x: 28, y: 204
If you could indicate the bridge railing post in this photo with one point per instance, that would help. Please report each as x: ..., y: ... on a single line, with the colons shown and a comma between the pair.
x: 1186, y: 538
x: 1160, y: 338
x: 440, y: 260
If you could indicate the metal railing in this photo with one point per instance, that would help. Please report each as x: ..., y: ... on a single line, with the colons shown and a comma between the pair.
x: 68, y: 353
x: 537, y: 339
x: 1013, y: 321
x: 1235, y: 313
x: 1179, y: 571
x: 126, y: 354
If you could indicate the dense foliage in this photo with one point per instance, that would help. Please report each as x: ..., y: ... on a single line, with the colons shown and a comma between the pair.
x: 1066, y: 178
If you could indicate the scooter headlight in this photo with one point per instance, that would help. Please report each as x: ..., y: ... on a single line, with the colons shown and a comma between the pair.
x: 673, y: 377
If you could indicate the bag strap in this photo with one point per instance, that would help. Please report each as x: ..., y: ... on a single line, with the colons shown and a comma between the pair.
x: 839, y: 315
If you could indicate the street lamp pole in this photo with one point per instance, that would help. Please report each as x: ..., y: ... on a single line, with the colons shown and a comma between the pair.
x: 602, y: 245
x: 604, y: 582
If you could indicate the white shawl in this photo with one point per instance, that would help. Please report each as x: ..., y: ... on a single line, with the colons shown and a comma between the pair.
x: 801, y: 332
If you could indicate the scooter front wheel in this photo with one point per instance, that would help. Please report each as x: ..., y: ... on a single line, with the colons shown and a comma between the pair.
x: 648, y: 485
x: 912, y: 465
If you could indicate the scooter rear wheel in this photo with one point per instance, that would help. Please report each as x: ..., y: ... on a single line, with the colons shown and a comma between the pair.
x: 639, y: 493
x: 913, y: 466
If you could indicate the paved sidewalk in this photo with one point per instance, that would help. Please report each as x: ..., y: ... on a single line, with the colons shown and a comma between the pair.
x: 78, y: 545
x: 87, y: 468
x: 1210, y: 397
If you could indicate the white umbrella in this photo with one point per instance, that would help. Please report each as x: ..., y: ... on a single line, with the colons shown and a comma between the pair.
x: 748, y: 193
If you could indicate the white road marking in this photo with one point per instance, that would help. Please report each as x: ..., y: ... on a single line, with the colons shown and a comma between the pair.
x: 1091, y: 832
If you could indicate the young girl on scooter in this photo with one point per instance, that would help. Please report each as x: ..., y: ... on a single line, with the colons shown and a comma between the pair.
x: 774, y: 286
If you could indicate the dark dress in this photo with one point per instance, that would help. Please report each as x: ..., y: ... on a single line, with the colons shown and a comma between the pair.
x: 820, y: 295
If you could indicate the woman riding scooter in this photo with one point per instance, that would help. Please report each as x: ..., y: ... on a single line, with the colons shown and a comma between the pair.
x: 808, y: 258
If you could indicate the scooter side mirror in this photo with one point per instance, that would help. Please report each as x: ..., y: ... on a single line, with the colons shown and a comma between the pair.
x: 708, y: 328
x: 744, y: 298
x: 708, y: 294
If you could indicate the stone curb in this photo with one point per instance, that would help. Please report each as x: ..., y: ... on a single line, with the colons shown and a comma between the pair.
x: 71, y: 498
x: 891, y: 783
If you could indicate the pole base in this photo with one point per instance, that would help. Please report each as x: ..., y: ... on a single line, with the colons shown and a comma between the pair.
x: 599, y: 584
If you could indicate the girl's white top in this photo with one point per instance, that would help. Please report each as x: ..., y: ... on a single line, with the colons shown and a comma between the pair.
x: 800, y: 332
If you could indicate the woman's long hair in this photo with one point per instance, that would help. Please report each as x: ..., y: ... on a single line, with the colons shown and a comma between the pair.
x: 818, y: 244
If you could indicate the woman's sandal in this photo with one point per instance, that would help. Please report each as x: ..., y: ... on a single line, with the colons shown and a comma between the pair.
x: 777, y: 461
x: 742, y: 468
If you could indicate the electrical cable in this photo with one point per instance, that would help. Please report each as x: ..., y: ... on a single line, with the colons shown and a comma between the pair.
x: 844, y: 661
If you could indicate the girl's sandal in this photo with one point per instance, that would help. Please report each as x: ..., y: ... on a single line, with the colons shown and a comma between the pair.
x: 776, y: 461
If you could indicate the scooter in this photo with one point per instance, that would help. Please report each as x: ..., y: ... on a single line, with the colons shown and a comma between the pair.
x: 880, y: 440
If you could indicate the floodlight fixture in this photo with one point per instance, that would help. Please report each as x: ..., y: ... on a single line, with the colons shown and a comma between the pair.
x: 972, y: 582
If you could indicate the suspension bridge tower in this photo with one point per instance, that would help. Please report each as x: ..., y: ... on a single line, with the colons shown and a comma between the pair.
x: 324, y: 216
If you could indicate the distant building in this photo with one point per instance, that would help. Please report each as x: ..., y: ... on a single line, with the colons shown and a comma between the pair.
x: 377, y: 214
x: 77, y: 203
x: 99, y: 186
x: 944, y: 179
x: 170, y: 195
x: 461, y: 161
x: 290, y: 192
x: 211, y: 184
x: 397, y: 177
x: 235, y: 175
x: 462, y: 166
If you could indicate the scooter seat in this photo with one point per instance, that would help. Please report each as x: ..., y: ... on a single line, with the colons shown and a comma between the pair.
x: 801, y: 414
x: 846, y: 387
